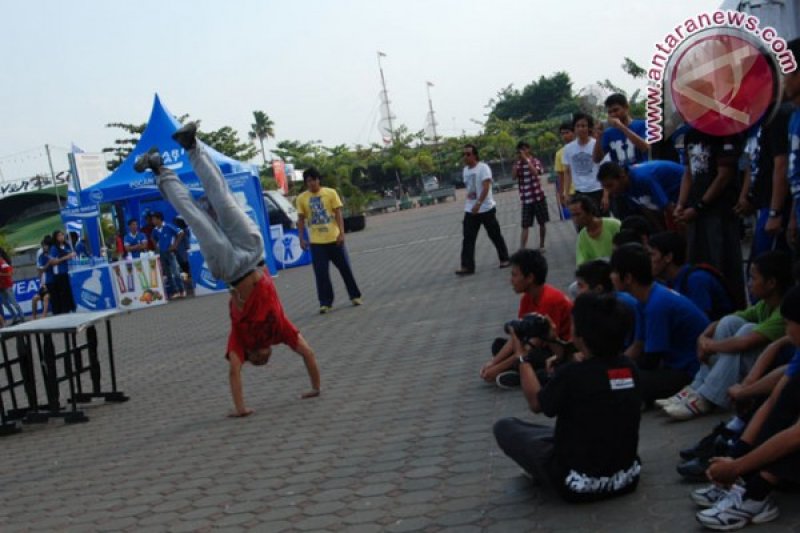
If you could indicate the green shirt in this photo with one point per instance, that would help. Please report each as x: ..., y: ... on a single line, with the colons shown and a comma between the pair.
x: 589, y: 249
x: 769, y: 322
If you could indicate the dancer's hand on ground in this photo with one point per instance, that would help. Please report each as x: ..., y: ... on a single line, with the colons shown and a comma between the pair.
x: 241, y: 414
x: 311, y: 394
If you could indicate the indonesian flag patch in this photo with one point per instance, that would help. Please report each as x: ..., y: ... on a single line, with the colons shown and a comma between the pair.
x: 620, y: 378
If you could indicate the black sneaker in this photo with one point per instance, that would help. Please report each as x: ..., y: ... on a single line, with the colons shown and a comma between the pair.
x: 710, y: 445
x: 694, y: 469
x: 149, y: 160
x: 508, y: 380
x: 186, y: 136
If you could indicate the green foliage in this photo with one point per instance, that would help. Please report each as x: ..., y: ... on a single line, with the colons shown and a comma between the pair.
x: 632, y: 69
x: 124, y: 146
x: 535, y: 101
x: 6, y: 244
x: 262, y: 129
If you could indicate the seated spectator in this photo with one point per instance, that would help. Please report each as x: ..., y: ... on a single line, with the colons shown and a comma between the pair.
x: 594, y: 239
x: 592, y: 452
x: 768, y: 453
x: 638, y: 225
x: 668, y: 324
x: 729, y: 347
x: 626, y: 236
x: 649, y: 188
x: 528, y: 277
x: 702, y: 284
x: 595, y: 276
x: 747, y: 397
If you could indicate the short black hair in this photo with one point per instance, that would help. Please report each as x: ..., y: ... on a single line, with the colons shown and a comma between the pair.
x: 609, y: 169
x: 474, y: 150
x: 47, y: 240
x: 776, y: 265
x: 587, y: 203
x: 626, y: 236
x: 632, y: 259
x: 158, y: 214
x: 531, y: 262
x: 638, y: 224
x: 616, y: 99
x: 522, y: 144
x: 790, y: 306
x: 670, y: 242
x: 582, y: 116
x: 311, y: 172
x: 566, y: 126
x: 596, y: 273
x: 602, y: 322
x: 132, y: 220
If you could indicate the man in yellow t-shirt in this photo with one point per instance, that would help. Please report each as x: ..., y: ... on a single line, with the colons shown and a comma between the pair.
x: 320, y: 208
x: 567, y: 136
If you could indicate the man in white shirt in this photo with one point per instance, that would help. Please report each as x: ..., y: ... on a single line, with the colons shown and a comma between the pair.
x: 580, y: 169
x: 479, y: 209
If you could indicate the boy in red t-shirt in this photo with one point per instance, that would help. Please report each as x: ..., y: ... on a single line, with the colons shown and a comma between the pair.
x: 232, y: 246
x: 528, y: 276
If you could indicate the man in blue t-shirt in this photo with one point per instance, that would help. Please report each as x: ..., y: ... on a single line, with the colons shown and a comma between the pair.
x: 704, y: 287
x: 625, y: 139
x: 167, y: 237
x: 650, y: 188
x: 135, y: 241
x: 667, y: 327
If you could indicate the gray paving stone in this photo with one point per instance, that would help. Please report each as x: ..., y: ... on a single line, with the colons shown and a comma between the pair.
x: 408, y: 524
x: 317, y: 522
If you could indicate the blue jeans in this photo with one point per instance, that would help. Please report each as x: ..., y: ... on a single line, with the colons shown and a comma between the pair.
x: 8, y: 300
x: 725, y: 369
x: 172, y: 274
x: 321, y: 255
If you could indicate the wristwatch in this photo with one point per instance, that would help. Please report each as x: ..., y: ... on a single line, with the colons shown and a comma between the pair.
x: 774, y: 213
x: 522, y: 360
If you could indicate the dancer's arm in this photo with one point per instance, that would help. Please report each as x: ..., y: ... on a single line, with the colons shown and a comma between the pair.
x: 305, y: 351
x: 235, y: 378
x: 340, y: 223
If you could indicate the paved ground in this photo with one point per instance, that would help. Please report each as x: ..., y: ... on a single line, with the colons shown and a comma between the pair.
x: 400, y: 440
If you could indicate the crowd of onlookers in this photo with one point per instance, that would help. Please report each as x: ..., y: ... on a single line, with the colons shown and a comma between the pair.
x: 666, y: 313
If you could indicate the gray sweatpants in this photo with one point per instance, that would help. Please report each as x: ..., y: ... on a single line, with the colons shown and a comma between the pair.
x: 231, y: 244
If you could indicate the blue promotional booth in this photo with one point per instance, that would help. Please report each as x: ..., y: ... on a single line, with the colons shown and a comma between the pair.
x: 136, y: 193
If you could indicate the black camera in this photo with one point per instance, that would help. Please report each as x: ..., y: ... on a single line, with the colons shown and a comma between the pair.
x: 529, y: 327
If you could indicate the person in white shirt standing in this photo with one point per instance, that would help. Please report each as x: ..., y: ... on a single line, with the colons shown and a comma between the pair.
x: 479, y: 209
x: 580, y: 169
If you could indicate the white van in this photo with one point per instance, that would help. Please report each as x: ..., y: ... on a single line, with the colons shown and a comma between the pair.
x: 280, y: 209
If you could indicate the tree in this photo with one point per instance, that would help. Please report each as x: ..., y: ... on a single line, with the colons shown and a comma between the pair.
x: 262, y: 128
x: 123, y: 147
x: 535, y: 101
x: 226, y: 141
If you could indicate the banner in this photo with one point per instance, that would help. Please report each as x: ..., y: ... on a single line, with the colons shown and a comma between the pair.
x: 90, y: 169
x: 138, y: 282
x: 85, y: 217
x: 24, y: 291
x: 92, y: 289
x: 287, y: 250
x: 279, y: 171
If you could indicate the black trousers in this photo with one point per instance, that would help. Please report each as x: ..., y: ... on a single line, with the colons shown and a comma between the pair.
x: 661, y: 383
x: 472, y: 225
x: 61, y: 298
x: 530, y: 446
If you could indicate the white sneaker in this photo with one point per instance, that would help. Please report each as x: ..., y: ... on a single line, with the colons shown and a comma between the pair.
x: 691, y: 406
x: 708, y: 496
x: 734, y: 511
x: 677, y: 398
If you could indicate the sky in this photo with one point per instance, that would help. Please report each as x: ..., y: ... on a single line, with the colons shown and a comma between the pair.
x: 70, y: 68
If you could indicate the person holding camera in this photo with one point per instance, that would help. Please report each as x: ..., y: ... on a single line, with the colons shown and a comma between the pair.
x: 528, y: 276
x: 591, y: 453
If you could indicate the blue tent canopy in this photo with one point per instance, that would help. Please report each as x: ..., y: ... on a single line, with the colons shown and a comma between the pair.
x: 125, y: 183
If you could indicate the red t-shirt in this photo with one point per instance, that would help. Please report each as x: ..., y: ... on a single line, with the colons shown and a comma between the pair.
x: 7, y: 270
x: 552, y: 303
x: 260, y: 322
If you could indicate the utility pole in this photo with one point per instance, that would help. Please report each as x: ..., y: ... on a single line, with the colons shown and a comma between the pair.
x: 428, y: 86
x: 385, y: 96
x: 53, y: 175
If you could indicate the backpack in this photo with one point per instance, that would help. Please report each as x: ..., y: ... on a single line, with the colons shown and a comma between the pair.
x: 718, y: 310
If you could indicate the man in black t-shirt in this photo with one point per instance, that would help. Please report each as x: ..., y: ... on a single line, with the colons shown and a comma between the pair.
x: 592, y: 453
x: 709, y: 190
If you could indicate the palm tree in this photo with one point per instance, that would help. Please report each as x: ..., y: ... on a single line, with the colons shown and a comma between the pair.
x: 262, y: 128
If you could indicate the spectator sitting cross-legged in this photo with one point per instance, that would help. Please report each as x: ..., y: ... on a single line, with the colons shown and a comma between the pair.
x: 668, y: 324
x: 528, y: 277
x: 591, y: 453
x: 729, y: 347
